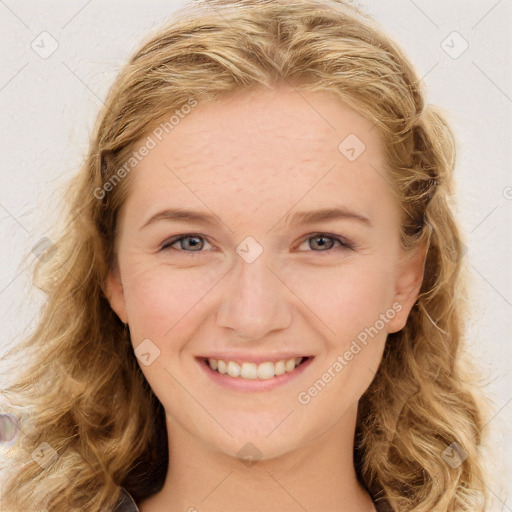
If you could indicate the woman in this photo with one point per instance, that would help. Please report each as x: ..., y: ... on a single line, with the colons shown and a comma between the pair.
x: 304, y: 351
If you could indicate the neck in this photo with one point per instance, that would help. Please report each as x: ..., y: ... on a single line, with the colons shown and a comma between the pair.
x: 319, y: 475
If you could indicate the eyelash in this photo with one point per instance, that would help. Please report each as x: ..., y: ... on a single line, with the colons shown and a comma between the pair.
x: 344, y: 243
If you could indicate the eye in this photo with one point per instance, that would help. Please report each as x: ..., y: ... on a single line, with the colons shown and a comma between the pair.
x: 187, y: 243
x: 193, y: 243
x: 326, y: 242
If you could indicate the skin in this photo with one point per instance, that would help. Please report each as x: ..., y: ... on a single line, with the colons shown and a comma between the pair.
x: 252, y: 158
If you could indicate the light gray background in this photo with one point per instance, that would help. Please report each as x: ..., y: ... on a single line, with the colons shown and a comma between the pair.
x: 49, y: 105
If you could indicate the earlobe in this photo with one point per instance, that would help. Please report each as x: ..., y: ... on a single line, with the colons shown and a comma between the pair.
x: 115, y: 294
x: 411, y: 268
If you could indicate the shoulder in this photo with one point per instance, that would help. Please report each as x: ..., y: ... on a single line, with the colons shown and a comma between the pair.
x: 126, y: 503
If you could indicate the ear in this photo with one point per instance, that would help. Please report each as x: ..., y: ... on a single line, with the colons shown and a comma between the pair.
x: 115, y: 294
x: 409, y: 277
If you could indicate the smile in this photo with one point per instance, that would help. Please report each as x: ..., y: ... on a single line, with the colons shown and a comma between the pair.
x: 249, y: 370
x: 256, y: 376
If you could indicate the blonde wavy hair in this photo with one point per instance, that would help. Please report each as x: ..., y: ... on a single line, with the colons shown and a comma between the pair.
x: 81, y: 389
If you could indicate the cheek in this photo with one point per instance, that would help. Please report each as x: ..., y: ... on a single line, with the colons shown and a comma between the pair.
x: 347, y: 298
x: 159, y: 297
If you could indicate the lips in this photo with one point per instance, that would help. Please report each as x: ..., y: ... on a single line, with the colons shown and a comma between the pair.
x: 253, y: 370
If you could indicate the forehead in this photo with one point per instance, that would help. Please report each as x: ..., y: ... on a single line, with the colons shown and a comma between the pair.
x: 265, y: 148
x: 257, y: 125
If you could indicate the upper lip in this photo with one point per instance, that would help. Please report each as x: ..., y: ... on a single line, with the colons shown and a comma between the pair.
x: 255, y: 358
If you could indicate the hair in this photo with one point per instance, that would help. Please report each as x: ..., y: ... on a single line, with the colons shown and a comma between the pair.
x: 81, y: 389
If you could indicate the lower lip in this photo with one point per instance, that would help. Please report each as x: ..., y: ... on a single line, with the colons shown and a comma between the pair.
x: 241, y: 384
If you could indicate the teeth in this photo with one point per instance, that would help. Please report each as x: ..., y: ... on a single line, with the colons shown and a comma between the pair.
x: 222, y: 367
x: 234, y: 369
x: 253, y: 371
x: 290, y: 365
x: 266, y: 370
x: 249, y: 370
x: 279, y: 368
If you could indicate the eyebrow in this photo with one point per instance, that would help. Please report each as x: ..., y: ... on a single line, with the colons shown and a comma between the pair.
x: 305, y: 217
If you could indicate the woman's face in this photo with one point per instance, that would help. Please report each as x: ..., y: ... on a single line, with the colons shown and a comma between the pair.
x: 255, y: 282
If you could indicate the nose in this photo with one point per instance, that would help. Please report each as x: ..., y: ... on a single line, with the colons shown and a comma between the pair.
x: 255, y: 300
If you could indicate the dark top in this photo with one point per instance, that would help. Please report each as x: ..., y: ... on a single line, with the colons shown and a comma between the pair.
x: 127, y: 504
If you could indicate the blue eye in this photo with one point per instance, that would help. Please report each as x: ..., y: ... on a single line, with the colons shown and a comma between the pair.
x: 343, y: 244
x: 193, y: 243
x: 180, y: 238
